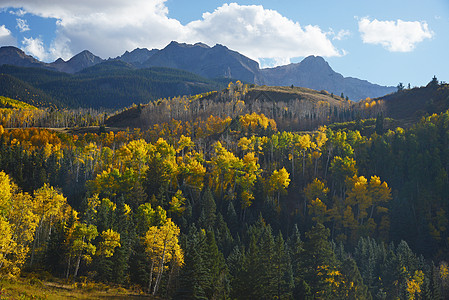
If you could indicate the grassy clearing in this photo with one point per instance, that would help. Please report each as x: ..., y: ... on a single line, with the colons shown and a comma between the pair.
x: 33, y: 288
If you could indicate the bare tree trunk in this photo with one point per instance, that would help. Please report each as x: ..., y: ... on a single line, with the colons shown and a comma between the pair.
x: 68, y: 267
x: 77, y: 266
x: 36, y: 237
x: 161, y: 269
x: 151, y: 276
x: 78, y: 260
x: 303, y: 162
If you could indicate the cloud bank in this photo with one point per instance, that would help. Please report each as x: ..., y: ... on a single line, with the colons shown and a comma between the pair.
x: 108, y: 28
x: 395, y: 36
x: 260, y: 33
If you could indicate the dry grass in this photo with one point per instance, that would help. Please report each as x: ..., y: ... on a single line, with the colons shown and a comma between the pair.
x: 33, y: 288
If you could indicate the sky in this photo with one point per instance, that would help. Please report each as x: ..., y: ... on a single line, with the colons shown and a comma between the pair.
x: 382, y: 41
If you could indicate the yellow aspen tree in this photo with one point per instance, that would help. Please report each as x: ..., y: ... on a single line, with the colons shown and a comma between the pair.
x: 414, y: 285
x: 109, y: 241
x: 162, y: 246
x: 357, y: 197
x: 138, y: 156
x: 247, y: 178
x: 48, y: 206
x: 184, y: 143
x: 192, y: 170
x: 177, y: 203
x: 224, y: 168
x: 316, y: 189
x: 81, y: 245
x: 318, y: 210
x: 278, y: 183
x: 17, y: 226
x: 302, y: 143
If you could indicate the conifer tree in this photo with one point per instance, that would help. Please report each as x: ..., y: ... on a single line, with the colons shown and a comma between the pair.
x: 318, y: 258
x: 194, y: 274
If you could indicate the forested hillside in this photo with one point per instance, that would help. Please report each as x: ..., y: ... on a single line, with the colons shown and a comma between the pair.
x: 221, y: 196
x: 112, y: 84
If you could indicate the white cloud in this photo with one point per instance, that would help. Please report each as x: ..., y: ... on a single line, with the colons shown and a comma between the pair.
x: 105, y: 27
x: 109, y: 27
x: 22, y: 25
x: 19, y: 12
x: 341, y: 35
x: 6, y: 38
x: 260, y: 33
x: 395, y: 36
x: 35, y: 47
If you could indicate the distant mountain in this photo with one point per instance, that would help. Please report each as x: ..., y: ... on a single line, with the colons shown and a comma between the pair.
x: 138, y: 56
x: 217, y: 62
x: 14, y: 56
x: 81, y: 61
x: 210, y: 62
x: 315, y: 73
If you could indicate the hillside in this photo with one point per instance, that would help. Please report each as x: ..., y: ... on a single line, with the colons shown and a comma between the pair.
x: 12, y: 103
x: 111, y: 84
x: 293, y: 108
x: 414, y: 103
x: 219, y: 187
x: 14, y: 88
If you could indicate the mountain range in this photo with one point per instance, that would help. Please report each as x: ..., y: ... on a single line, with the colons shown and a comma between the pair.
x: 215, y: 62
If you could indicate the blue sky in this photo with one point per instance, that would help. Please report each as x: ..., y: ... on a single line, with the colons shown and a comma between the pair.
x: 384, y: 42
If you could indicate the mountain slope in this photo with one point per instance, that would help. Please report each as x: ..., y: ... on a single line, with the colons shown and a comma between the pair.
x: 81, y: 61
x: 137, y: 57
x: 111, y: 84
x: 14, y: 56
x: 210, y: 62
x: 14, y: 88
x: 315, y: 73
x: 412, y: 104
x: 217, y: 62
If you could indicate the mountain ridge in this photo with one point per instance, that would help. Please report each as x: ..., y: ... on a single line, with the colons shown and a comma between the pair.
x: 217, y: 62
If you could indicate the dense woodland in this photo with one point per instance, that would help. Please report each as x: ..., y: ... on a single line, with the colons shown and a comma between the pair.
x: 112, y: 84
x: 232, y: 206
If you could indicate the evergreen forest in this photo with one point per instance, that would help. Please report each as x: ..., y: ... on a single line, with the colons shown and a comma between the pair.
x: 225, y: 195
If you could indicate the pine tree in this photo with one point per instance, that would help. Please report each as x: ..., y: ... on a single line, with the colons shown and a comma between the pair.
x: 301, y: 289
x: 354, y: 286
x: 217, y: 285
x: 208, y: 212
x: 283, y: 270
x: 318, y: 258
x: 194, y: 275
